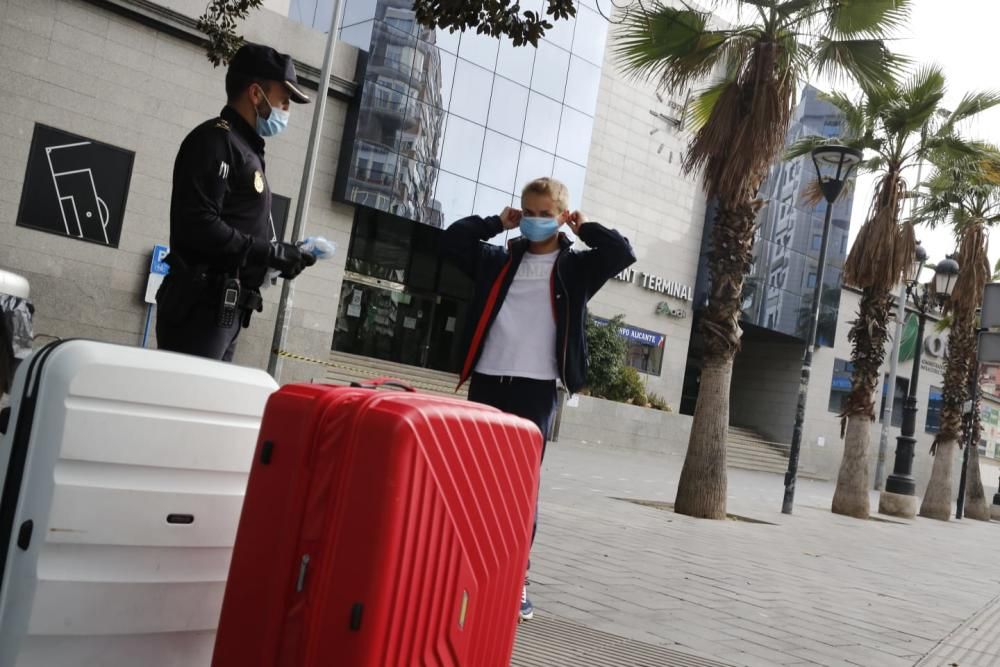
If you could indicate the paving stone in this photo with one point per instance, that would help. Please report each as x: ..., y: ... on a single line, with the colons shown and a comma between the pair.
x: 813, y: 589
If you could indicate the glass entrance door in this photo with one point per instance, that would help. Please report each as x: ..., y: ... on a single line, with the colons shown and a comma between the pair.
x: 384, y: 322
x: 400, y: 301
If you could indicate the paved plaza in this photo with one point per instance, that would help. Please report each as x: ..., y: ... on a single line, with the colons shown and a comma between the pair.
x: 618, y: 583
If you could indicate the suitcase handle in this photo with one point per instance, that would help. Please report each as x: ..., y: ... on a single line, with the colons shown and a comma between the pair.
x: 383, y: 382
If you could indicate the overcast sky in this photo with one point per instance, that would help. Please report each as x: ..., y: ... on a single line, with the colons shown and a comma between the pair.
x: 961, y: 36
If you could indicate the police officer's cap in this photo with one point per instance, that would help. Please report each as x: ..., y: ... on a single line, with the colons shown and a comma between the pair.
x: 263, y: 62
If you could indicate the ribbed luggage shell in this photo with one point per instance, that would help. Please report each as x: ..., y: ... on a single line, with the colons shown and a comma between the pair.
x: 131, y: 474
x: 381, y: 529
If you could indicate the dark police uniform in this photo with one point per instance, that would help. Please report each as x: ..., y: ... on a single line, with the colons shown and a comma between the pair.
x: 219, y: 229
x: 220, y: 224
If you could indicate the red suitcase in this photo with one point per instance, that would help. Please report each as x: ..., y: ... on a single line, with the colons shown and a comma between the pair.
x: 380, y: 529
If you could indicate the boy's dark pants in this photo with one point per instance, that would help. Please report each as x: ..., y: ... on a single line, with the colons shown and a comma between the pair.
x: 534, y: 400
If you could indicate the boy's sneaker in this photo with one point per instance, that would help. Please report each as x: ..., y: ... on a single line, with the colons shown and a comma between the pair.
x: 527, y: 611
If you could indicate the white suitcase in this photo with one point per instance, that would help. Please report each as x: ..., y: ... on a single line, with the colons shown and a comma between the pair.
x: 123, y: 472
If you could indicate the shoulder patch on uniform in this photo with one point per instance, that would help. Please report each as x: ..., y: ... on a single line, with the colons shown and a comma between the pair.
x: 222, y: 123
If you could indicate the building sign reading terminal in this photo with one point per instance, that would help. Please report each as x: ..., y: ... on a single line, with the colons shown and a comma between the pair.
x: 663, y: 286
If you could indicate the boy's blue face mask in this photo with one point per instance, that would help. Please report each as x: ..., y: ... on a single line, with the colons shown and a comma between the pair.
x: 539, y: 229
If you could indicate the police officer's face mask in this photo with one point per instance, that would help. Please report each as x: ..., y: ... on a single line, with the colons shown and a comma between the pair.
x: 273, y: 121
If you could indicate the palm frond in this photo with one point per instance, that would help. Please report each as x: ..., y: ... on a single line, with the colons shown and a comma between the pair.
x: 805, y: 146
x: 705, y: 102
x: 971, y: 105
x: 974, y: 271
x: 674, y: 47
x: 883, y: 247
x: 926, y: 82
x: 855, y: 120
x: 746, y: 129
x: 872, y: 165
x: 870, y: 18
x: 868, y: 61
x: 794, y: 11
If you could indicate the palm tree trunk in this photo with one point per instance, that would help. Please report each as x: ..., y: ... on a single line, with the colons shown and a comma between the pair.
x: 701, y: 491
x: 851, y: 496
x: 937, y: 501
x: 976, y: 506
x: 961, y: 346
x: 868, y: 336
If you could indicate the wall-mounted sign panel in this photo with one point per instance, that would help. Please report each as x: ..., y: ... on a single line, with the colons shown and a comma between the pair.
x: 75, y: 187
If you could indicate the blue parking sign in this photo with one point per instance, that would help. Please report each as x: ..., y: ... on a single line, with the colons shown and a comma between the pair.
x: 157, y: 265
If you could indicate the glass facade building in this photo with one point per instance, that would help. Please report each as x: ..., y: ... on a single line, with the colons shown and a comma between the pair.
x: 778, y: 290
x: 778, y: 293
x: 449, y: 124
x: 445, y: 124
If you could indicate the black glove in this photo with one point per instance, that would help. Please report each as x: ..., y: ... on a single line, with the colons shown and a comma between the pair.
x: 289, y: 259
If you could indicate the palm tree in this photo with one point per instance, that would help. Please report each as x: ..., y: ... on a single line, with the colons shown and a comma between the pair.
x: 976, y: 505
x: 963, y: 191
x: 899, y: 124
x: 740, y: 124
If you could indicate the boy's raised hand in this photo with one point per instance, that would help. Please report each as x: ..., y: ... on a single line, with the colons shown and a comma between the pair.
x: 573, y: 220
x: 510, y: 218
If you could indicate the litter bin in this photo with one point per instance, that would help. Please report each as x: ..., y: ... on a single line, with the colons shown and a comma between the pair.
x: 15, y: 325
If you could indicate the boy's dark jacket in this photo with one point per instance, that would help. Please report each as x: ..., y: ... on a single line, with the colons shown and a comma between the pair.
x: 576, y: 277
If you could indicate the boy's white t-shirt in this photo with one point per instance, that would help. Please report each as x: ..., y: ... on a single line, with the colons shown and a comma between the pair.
x: 522, y: 340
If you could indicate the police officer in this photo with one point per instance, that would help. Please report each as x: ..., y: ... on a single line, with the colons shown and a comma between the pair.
x: 222, y: 241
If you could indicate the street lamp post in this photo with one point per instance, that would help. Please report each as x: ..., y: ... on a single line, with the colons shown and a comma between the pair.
x: 834, y: 165
x: 898, y: 499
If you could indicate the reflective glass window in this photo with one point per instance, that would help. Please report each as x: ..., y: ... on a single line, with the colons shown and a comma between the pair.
x: 574, y: 176
x: 424, y: 259
x: 422, y: 132
x: 549, y: 77
x: 359, y: 35
x: 392, y: 54
x: 490, y: 201
x: 532, y: 164
x: 414, y: 190
x: 403, y: 20
x: 448, y: 63
x: 645, y: 358
x: 437, y: 78
x: 583, y: 85
x: 373, y: 164
x: 537, y: 6
x: 591, y: 35
x: 456, y: 197
x: 479, y: 49
x: 499, y: 164
x: 507, y: 108
x: 840, y: 384
x: 516, y: 62
x: 561, y: 33
x: 381, y: 117
x: 463, y: 146
x: 317, y: 14
x: 355, y: 11
x: 380, y: 246
x: 473, y: 86
x: 446, y: 40
x: 541, y: 126
x: 935, y: 403
x: 575, y: 131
